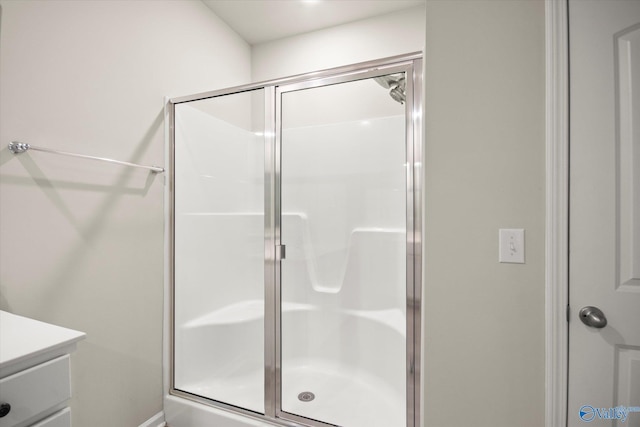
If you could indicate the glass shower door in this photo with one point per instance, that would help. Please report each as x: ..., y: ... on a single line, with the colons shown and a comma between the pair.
x: 344, y: 205
x: 219, y: 249
x: 295, y: 248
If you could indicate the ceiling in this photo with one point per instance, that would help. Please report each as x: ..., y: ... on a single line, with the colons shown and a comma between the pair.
x: 259, y: 21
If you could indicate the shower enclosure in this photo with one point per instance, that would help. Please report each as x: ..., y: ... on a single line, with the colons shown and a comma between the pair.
x: 295, y: 249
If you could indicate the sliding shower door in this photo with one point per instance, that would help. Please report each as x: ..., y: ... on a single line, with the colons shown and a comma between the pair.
x: 343, y: 222
x: 295, y: 248
x: 219, y: 249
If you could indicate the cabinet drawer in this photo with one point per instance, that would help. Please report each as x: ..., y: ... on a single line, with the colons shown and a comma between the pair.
x: 35, y: 392
x: 59, y: 419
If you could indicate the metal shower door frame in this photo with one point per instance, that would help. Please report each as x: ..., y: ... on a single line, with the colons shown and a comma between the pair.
x: 410, y: 64
x: 412, y: 70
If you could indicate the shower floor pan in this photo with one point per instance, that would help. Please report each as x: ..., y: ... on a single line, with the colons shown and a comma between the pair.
x: 340, y: 396
x: 352, y: 361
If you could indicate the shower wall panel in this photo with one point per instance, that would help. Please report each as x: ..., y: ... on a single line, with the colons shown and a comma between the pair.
x: 326, y: 199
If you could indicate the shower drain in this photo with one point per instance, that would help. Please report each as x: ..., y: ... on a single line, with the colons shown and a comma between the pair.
x: 306, y: 396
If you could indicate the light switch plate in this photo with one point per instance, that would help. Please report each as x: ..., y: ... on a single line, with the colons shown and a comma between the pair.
x: 511, y: 245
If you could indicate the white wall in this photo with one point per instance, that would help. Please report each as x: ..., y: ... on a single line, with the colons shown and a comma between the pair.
x: 484, y: 347
x: 82, y: 241
x: 387, y: 35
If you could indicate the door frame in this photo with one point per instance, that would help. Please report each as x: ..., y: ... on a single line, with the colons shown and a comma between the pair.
x: 557, y: 213
x: 412, y: 68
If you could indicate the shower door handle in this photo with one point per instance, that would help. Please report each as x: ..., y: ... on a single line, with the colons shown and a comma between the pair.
x: 281, y: 252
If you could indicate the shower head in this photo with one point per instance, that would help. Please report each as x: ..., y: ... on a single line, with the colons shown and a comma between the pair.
x: 396, y: 83
x: 397, y: 93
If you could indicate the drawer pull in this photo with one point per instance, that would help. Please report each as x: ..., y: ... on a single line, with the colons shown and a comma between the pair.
x: 5, y: 408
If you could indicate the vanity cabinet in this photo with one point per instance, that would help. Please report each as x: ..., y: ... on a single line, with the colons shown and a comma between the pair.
x: 35, y: 383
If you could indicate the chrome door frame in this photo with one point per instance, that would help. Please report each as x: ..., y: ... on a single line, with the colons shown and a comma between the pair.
x: 412, y: 233
x: 411, y: 64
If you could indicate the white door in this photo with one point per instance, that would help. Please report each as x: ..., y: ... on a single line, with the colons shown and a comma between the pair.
x: 604, y: 263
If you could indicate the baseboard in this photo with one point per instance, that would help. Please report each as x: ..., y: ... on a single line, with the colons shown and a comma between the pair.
x: 156, y: 421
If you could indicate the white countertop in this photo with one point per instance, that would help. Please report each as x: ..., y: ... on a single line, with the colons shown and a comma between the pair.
x: 25, y: 342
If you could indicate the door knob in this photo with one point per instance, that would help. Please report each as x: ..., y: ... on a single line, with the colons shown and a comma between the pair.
x: 593, y: 317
